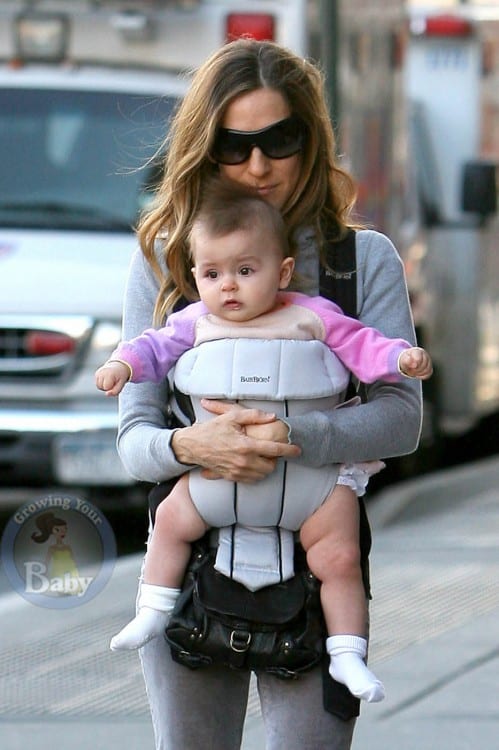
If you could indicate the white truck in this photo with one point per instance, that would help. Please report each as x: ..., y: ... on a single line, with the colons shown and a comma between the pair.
x: 453, y: 273
x: 74, y: 139
x: 86, y: 90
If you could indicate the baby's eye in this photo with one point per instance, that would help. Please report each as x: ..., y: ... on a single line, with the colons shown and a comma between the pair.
x: 245, y: 271
x: 211, y: 274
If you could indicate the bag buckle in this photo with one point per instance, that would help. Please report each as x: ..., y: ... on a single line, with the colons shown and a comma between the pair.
x: 240, y: 641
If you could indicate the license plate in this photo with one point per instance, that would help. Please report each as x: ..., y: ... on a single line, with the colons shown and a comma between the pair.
x: 90, y: 459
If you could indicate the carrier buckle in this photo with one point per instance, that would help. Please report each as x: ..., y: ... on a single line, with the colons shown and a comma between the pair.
x: 240, y: 641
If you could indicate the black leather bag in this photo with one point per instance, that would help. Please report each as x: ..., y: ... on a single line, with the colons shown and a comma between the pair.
x: 278, y: 629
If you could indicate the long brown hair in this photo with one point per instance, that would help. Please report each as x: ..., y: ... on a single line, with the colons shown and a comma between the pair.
x: 324, y: 195
x: 46, y: 524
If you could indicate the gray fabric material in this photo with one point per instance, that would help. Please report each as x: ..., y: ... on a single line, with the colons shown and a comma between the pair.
x: 255, y: 556
x: 258, y: 558
x: 204, y: 709
x: 263, y: 369
x: 306, y: 489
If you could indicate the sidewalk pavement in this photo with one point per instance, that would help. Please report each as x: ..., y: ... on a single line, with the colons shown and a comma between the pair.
x: 434, y: 637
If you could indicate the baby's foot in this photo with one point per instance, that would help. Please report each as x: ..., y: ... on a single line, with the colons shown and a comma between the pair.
x: 350, y: 670
x: 347, y: 666
x: 148, y: 624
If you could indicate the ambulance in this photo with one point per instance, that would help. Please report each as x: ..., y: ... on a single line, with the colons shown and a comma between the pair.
x: 452, y: 80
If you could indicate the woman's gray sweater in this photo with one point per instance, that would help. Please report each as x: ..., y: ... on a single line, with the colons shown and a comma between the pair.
x: 387, y: 425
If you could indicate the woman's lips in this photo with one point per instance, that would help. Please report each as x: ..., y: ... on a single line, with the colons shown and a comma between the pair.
x: 265, y: 189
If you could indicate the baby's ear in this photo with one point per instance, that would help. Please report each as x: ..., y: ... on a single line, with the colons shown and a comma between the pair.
x: 287, y: 268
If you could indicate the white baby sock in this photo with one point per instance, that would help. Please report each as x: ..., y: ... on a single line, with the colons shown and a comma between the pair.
x: 155, y: 606
x: 347, y: 653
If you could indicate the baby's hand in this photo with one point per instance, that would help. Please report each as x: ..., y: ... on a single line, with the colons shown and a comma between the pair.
x: 111, y: 377
x: 416, y: 363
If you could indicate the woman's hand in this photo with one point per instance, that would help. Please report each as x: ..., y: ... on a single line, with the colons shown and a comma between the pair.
x: 275, y: 431
x: 224, y: 449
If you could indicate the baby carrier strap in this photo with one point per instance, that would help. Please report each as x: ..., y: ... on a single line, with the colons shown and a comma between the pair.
x: 338, y: 282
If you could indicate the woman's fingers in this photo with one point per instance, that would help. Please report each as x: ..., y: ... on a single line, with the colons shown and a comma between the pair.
x: 243, y: 417
x: 222, y: 448
x: 257, y: 469
x: 240, y: 414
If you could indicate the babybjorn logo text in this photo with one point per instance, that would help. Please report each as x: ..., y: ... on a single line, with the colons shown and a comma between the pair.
x: 255, y: 379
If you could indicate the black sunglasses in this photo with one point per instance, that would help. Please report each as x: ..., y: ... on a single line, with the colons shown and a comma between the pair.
x: 278, y: 141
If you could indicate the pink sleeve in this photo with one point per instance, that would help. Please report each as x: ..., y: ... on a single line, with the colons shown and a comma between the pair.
x: 363, y: 350
x: 152, y: 354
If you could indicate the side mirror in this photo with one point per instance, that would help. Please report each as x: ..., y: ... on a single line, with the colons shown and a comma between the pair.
x: 479, y: 188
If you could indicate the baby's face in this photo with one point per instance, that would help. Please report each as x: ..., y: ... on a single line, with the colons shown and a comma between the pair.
x: 238, y: 275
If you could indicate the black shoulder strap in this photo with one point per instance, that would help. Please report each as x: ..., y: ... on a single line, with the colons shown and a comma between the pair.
x: 338, y: 282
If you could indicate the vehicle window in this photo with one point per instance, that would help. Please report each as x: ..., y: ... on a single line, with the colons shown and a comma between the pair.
x: 75, y: 159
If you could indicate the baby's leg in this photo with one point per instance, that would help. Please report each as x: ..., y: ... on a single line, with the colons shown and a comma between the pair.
x: 177, y: 524
x: 330, y: 538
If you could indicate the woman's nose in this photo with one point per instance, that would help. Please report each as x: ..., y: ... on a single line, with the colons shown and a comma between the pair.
x: 258, y: 163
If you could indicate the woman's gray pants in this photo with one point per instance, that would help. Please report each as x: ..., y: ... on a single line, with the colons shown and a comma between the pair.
x: 205, y: 708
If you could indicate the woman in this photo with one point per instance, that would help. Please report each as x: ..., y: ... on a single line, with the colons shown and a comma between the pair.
x: 235, y: 120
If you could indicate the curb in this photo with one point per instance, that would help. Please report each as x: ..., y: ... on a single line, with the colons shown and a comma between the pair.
x: 415, y: 498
